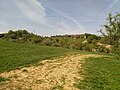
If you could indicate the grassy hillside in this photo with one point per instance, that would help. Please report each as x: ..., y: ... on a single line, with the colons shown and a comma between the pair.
x: 87, y: 42
x: 98, y: 73
x: 21, y: 48
x: 14, y: 55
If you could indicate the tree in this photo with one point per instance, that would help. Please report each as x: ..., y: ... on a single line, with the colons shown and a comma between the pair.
x: 91, y: 37
x: 112, y: 28
x: 13, y: 36
x: 19, y: 33
x: 10, y: 35
x: 10, y: 32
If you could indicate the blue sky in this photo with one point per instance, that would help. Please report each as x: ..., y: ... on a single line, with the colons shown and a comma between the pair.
x: 51, y: 17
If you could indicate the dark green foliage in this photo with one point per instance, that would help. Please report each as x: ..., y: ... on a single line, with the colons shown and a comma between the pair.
x: 36, y: 39
x: 2, y: 35
x: 22, y: 36
x: 7, y: 35
x: 91, y: 38
x: 13, y: 36
x: 101, y: 74
x: 105, y: 40
x: 10, y: 32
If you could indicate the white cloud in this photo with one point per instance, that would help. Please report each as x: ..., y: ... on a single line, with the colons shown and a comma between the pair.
x: 31, y: 14
x: 34, y: 10
x: 31, y: 9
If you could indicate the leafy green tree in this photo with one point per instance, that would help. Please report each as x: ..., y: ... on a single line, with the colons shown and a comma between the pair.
x: 7, y: 35
x: 10, y: 32
x: 91, y: 37
x: 112, y: 28
x: 36, y: 39
x: 19, y: 33
x: 13, y: 36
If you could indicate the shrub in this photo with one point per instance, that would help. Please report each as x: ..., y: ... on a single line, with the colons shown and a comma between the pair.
x: 47, y: 42
x: 2, y: 35
x: 91, y: 37
x: 94, y: 41
x: 105, y: 40
x: 57, y: 45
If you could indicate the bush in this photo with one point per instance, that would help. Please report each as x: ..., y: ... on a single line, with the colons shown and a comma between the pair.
x: 13, y: 36
x: 47, y: 42
x: 105, y: 40
x: 94, y: 41
x: 91, y: 37
x: 2, y: 35
x: 57, y: 45
x: 106, y: 50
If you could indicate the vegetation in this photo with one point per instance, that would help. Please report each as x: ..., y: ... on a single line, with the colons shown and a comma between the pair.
x: 86, y: 42
x: 15, y: 55
x: 111, y: 31
x: 101, y: 74
x: 22, y: 48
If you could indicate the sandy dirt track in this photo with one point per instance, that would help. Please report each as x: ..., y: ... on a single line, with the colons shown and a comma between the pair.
x: 57, y: 74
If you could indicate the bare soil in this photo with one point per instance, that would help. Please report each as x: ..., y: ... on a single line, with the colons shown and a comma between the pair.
x: 57, y: 74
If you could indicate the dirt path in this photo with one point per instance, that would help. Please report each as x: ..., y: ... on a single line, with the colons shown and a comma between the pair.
x: 57, y: 74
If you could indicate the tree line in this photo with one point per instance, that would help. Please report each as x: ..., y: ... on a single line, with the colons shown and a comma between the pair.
x: 108, y: 42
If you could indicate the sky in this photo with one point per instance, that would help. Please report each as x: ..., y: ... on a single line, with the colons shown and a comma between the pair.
x: 56, y: 17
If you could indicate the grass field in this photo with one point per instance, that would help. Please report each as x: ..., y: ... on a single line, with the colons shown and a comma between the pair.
x: 15, y: 55
x: 101, y: 73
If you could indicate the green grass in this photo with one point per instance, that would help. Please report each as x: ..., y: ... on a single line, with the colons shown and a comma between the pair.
x: 101, y: 73
x: 15, y: 55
